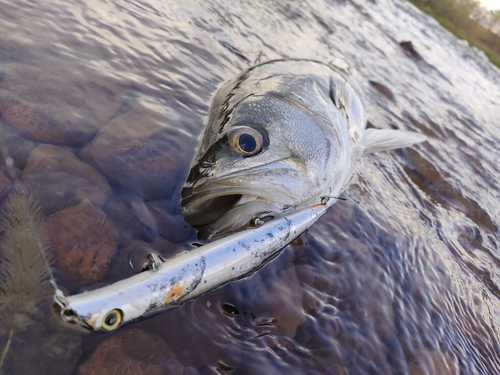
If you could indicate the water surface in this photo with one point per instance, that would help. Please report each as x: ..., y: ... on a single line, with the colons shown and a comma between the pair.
x: 104, y: 102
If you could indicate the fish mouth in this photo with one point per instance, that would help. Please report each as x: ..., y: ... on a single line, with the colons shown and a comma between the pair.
x: 221, y: 210
x: 200, y: 209
x: 226, y: 204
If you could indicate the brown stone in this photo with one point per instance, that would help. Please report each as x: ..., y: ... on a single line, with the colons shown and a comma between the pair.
x: 170, y: 224
x: 83, y: 243
x: 384, y: 90
x: 426, y: 362
x: 142, y: 150
x: 410, y: 48
x: 278, y: 299
x: 14, y: 145
x: 132, y: 352
x: 58, y: 103
x: 132, y: 218
x: 59, y: 179
x: 5, y: 185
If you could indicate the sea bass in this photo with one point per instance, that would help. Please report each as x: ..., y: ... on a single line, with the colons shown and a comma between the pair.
x: 281, y: 136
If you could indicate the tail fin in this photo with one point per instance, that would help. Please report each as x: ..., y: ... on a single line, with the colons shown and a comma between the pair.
x: 384, y: 139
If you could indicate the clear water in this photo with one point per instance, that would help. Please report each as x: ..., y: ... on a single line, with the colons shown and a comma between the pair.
x: 400, y: 279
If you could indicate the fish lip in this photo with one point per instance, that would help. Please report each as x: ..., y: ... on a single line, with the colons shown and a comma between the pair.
x: 280, y: 164
x: 206, y: 185
x: 203, y: 202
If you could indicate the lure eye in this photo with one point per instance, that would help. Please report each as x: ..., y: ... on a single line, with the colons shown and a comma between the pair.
x: 112, y: 320
x: 246, y: 141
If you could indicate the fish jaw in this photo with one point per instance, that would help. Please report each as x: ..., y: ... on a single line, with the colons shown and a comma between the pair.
x: 232, y: 201
x: 242, y: 215
x: 220, y: 211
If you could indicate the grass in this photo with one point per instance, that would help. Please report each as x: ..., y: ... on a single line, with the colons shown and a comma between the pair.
x: 461, y: 28
x: 24, y: 265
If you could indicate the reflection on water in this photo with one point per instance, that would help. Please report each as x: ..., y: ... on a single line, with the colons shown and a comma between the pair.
x: 102, y: 105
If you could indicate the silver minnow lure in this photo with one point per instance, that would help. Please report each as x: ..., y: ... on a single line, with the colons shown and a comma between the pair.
x: 185, y: 276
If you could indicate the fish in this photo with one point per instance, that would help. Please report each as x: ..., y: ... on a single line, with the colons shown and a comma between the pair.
x: 282, y: 140
x: 281, y: 136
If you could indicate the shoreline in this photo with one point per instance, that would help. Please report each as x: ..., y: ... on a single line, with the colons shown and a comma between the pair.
x: 456, y: 20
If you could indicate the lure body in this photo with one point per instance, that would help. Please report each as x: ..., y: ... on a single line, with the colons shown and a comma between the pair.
x: 188, y: 275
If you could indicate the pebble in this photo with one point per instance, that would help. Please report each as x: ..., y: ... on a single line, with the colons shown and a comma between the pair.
x: 139, y: 151
x: 58, y: 103
x: 133, y: 352
x: 14, y: 145
x: 58, y: 179
x: 83, y: 242
x: 5, y: 185
x: 131, y: 217
x: 169, y: 224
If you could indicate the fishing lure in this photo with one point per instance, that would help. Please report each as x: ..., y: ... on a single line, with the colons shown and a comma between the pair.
x: 186, y: 276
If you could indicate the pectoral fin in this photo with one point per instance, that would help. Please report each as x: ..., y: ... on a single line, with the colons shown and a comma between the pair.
x: 386, y: 139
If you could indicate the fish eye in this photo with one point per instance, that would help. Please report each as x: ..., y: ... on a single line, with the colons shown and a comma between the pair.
x: 246, y: 141
x: 112, y: 320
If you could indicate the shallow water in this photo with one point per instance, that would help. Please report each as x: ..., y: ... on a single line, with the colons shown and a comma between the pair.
x: 400, y: 279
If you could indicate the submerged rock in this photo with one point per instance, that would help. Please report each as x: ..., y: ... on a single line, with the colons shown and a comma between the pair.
x: 59, y: 179
x: 5, y: 185
x: 410, y: 49
x: 83, y: 242
x: 56, y: 103
x: 433, y: 362
x: 132, y: 352
x: 14, y: 145
x: 141, y: 152
x: 384, y: 90
x: 137, y: 219
x: 47, y: 347
x: 131, y: 217
x: 170, y: 225
x: 275, y: 300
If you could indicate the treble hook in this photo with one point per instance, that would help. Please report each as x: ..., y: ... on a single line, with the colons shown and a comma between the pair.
x: 153, y: 262
x: 326, y: 198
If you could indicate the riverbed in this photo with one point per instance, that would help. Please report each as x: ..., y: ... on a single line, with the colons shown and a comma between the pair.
x: 103, y: 105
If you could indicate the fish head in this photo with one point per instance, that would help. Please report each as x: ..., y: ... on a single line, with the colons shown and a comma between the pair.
x: 259, y: 157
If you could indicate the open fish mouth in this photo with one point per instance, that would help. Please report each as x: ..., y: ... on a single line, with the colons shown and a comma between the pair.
x: 202, y: 206
x: 223, y: 209
x: 221, y: 205
x: 204, y: 210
